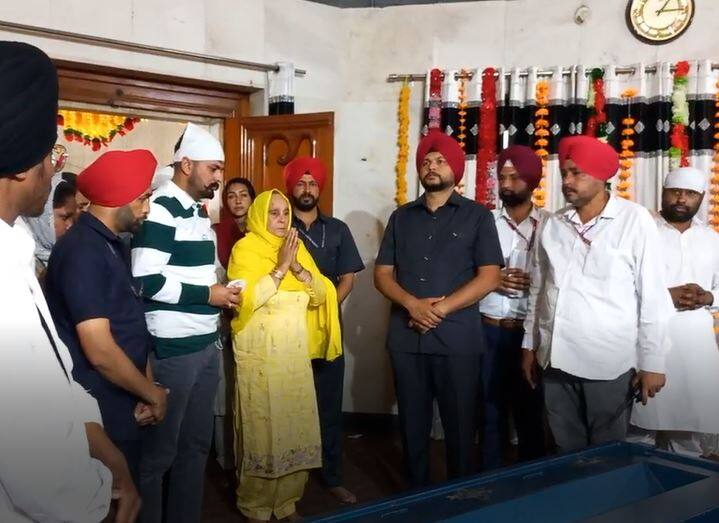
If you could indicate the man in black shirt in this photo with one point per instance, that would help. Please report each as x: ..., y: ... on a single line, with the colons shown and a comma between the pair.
x: 97, y: 305
x: 331, y: 244
x: 439, y: 256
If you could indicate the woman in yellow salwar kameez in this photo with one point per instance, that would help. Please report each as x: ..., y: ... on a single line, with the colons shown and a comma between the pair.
x: 289, y: 314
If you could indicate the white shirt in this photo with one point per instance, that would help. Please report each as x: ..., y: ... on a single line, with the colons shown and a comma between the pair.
x: 688, y: 402
x: 691, y: 256
x: 515, y: 240
x: 46, y: 472
x: 598, y: 303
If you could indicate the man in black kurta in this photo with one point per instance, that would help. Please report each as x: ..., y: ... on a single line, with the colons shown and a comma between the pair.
x: 439, y: 256
x: 332, y: 247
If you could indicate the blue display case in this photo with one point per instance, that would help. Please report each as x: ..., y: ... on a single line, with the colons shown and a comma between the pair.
x: 612, y: 483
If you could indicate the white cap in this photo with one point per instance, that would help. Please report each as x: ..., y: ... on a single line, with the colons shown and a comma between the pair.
x: 197, y: 144
x: 689, y: 178
x: 162, y: 175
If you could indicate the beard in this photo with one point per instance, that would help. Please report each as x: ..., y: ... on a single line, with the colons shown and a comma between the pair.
x: 127, y: 222
x: 436, y: 186
x: 678, y: 213
x: 305, y: 202
x: 512, y: 199
x: 208, y: 192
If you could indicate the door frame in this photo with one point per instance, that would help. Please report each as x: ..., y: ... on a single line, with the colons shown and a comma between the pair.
x: 125, y: 89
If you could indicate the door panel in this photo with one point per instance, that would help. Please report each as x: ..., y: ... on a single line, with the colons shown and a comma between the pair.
x: 268, y: 143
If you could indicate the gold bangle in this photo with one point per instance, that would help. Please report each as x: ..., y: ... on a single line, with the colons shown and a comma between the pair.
x: 276, y: 273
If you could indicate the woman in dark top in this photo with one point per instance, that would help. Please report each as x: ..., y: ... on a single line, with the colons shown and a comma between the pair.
x: 236, y: 200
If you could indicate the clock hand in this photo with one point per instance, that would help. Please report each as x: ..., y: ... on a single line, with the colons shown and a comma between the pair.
x: 663, y: 7
x: 672, y: 10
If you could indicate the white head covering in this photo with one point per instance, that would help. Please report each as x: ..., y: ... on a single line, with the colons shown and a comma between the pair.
x: 197, y: 144
x: 688, y: 178
x: 42, y: 228
x: 162, y: 175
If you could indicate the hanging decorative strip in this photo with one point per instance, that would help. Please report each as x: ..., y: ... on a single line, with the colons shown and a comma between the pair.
x: 403, y: 145
x: 435, y: 100
x: 541, y: 133
x: 679, y: 139
x: 626, y: 157
x: 487, y: 139
x: 714, y: 191
x: 94, y: 130
x: 597, y: 121
x: 462, y: 108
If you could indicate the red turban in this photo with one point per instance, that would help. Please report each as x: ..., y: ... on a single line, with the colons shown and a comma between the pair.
x: 525, y: 160
x: 598, y: 159
x: 302, y: 165
x: 117, y: 177
x: 438, y: 142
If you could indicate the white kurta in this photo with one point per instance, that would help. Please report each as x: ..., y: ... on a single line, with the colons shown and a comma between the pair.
x: 689, y: 401
x: 46, y: 472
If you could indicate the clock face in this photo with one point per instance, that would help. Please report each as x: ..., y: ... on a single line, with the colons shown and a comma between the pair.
x: 659, y: 21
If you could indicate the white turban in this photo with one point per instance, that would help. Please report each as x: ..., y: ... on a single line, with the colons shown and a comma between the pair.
x: 162, y: 175
x: 199, y: 145
x: 688, y: 178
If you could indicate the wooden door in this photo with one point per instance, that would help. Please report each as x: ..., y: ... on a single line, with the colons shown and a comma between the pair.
x: 268, y: 143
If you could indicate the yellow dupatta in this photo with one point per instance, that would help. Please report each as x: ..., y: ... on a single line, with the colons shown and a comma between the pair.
x: 255, y: 256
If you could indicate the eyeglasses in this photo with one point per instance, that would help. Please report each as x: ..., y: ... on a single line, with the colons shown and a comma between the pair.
x: 58, y: 157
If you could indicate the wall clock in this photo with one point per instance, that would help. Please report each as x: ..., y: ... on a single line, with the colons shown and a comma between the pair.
x: 659, y: 21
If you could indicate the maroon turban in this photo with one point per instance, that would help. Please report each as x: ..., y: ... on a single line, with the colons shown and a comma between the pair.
x: 298, y: 167
x: 117, y: 177
x: 438, y: 142
x: 598, y: 159
x: 525, y: 160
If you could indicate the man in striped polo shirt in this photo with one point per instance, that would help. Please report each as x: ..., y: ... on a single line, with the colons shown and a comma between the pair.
x: 173, y: 255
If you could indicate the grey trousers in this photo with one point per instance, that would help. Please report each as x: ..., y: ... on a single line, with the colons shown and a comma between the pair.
x: 182, y: 441
x: 583, y: 412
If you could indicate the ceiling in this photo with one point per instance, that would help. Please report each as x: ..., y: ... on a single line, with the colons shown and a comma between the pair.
x: 383, y: 3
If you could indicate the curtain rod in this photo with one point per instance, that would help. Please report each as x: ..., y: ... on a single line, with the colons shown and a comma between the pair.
x: 139, y: 48
x: 522, y: 74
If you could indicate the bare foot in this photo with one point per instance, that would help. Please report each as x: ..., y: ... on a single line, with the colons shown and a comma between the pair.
x: 294, y: 517
x: 343, y: 495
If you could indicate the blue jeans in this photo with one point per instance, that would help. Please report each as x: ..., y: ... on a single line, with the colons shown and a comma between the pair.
x: 505, y: 392
x: 182, y: 441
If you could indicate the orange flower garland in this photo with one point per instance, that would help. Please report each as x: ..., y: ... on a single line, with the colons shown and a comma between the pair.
x: 462, y: 108
x: 95, y: 130
x: 403, y: 145
x: 714, y: 191
x: 541, y: 131
x: 626, y: 156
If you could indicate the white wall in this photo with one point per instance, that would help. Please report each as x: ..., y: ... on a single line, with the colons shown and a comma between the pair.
x: 348, y: 54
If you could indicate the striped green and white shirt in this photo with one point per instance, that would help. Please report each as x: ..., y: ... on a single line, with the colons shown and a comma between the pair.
x: 173, y: 256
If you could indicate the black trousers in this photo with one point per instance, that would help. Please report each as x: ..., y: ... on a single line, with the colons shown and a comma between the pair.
x: 506, y: 393
x: 454, y: 382
x: 329, y: 381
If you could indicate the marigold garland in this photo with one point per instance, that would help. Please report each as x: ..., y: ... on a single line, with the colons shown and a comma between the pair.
x: 679, y: 150
x: 95, y: 130
x: 541, y: 131
x: 403, y: 145
x: 462, y: 108
x: 626, y: 161
x: 597, y: 121
x: 714, y: 190
x: 487, y: 139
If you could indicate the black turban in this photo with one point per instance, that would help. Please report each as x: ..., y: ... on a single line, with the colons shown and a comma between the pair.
x: 28, y: 107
